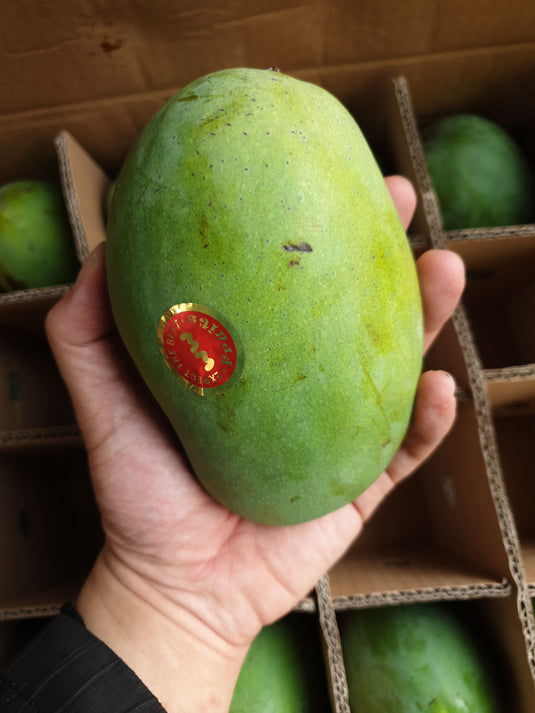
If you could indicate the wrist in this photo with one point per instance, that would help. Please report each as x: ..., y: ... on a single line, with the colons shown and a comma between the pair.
x: 183, y: 662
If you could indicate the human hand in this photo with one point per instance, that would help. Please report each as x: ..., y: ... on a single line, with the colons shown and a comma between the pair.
x: 182, y: 585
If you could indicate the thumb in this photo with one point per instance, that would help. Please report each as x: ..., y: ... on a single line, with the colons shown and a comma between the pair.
x: 84, y: 315
x: 104, y: 385
x: 82, y: 335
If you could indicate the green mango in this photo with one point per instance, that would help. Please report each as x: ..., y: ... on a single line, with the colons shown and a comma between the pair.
x: 283, y: 671
x: 411, y: 658
x: 36, y: 241
x: 479, y: 173
x: 261, y: 279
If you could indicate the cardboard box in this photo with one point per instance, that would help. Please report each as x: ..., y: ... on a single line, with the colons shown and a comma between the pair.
x: 81, y: 90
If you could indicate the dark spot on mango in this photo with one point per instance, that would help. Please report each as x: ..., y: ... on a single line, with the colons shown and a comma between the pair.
x: 299, y: 248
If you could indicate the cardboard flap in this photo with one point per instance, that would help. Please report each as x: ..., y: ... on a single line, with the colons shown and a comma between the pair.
x: 85, y: 188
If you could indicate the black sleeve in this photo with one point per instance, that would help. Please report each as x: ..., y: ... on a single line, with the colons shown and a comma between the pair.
x: 65, y: 668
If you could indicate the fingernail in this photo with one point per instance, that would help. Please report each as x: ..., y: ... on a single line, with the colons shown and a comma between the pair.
x: 451, y: 380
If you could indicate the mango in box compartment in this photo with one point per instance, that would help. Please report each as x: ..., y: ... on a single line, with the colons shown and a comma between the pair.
x: 36, y: 241
x: 479, y: 173
x: 262, y: 282
x: 283, y: 670
x: 414, y: 657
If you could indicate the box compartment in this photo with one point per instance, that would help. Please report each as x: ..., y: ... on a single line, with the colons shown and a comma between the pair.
x: 496, y: 630
x: 499, y: 296
x: 49, y: 530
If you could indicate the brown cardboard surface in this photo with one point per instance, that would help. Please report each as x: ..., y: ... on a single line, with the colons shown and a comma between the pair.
x: 466, y: 509
x: 499, y: 272
x: 79, y: 51
x: 32, y: 393
x: 528, y: 555
x: 511, y: 391
x: 521, y: 309
x: 516, y: 441
x: 107, y: 126
x: 420, y: 573
x: 496, y: 265
x: 26, y: 309
x: 85, y: 187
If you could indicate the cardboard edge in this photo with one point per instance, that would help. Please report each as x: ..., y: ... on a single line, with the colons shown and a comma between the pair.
x: 306, y: 605
x: 472, y: 234
x: 17, y: 613
x: 33, y: 295
x: 73, y: 208
x: 423, y: 179
x: 332, y: 648
x: 49, y: 436
x: 461, y: 593
x: 510, y: 373
x: 489, y: 448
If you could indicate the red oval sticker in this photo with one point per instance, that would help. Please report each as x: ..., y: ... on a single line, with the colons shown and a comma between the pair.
x: 204, y: 352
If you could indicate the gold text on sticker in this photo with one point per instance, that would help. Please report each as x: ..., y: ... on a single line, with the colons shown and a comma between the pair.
x: 200, y: 348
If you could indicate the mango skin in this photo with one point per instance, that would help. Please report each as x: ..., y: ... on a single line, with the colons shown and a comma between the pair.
x: 411, y: 658
x: 283, y: 671
x: 256, y: 194
x: 36, y: 241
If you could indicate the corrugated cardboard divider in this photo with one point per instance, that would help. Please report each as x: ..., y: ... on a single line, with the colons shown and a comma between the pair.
x: 332, y: 648
x: 497, y: 259
x: 85, y: 187
x: 102, y: 49
x: 511, y: 393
